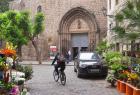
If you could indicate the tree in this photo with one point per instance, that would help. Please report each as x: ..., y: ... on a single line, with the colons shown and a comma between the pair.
x: 13, y: 32
x: 17, y: 27
x: 37, y: 29
x: 128, y: 22
x: 32, y: 32
x: 4, y: 5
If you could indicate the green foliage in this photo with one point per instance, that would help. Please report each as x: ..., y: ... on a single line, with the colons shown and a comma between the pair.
x: 118, y: 67
x: 10, y: 28
x: 19, y: 68
x: 137, y: 69
x: 119, y: 17
x: 102, y: 47
x: 38, y: 25
x: 2, y: 59
x: 123, y: 76
x: 17, y: 27
x: 4, y: 5
x: 112, y: 57
x: 131, y: 14
x: 7, y: 86
x: 20, y: 82
x: 120, y: 31
x: 24, y: 23
x: 25, y: 69
x: 28, y: 72
x: 133, y: 35
x: 126, y: 60
x: 111, y: 78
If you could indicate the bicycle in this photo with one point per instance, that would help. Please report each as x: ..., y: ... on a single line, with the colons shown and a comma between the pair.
x: 60, y: 75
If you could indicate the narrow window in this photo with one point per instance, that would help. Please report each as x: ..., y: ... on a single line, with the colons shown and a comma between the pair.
x: 39, y: 8
x: 117, y: 1
x: 117, y: 46
x: 109, y: 4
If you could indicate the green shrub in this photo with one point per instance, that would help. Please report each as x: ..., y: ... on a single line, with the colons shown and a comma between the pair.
x: 20, y: 68
x: 111, y: 78
x: 25, y: 69
x: 28, y: 72
x: 112, y: 57
x: 20, y: 82
x: 123, y: 77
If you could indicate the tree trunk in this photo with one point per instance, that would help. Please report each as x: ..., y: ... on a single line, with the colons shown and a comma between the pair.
x: 38, y: 53
x: 19, y: 52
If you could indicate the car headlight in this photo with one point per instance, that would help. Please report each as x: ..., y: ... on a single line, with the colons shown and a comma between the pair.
x: 82, y: 65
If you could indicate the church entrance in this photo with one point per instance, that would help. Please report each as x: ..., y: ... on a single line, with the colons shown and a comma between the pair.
x: 77, y: 32
x: 79, y: 43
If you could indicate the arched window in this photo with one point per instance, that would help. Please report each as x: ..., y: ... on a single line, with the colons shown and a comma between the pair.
x: 39, y: 8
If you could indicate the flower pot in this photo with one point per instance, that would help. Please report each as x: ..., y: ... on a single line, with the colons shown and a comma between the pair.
x: 122, y: 87
x: 129, y: 89
x: 136, y: 91
x: 118, y: 85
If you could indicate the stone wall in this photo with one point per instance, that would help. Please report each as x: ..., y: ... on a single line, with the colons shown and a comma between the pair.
x: 54, y: 10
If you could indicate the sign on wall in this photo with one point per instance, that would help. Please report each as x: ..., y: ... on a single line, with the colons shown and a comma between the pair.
x: 53, y: 51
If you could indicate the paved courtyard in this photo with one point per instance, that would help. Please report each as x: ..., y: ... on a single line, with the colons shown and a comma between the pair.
x: 43, y: 83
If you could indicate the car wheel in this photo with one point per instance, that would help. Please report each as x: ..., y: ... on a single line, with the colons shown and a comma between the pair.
x: 78, y: 74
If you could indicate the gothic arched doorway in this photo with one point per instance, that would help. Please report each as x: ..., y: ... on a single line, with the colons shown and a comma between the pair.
x: 77, y: 31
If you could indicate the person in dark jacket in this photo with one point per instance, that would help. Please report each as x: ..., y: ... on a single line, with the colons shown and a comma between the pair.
x: 60, y: 62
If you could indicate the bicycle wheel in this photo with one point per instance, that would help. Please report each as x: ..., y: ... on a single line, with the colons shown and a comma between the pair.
x: 55, y: 75
x: 63, y: 78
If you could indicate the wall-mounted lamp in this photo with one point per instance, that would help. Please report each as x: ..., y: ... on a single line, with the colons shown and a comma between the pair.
x: 104, y: 10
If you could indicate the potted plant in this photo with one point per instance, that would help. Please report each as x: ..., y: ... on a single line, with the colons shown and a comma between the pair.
x: 110, y: 78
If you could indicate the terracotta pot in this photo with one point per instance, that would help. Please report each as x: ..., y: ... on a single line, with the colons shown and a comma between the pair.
x: 129, y: 89
x: 118, y: 85
x: 122, y: 87
x: 136, y: 91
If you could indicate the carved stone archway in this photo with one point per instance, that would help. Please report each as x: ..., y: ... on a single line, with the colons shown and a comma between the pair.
x: 77, y: 21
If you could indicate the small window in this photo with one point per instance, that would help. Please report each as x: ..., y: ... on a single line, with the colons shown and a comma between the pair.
x: 39, y: 8
x: 109, y: 4
x: 117, y: 1
x: 117, y: 46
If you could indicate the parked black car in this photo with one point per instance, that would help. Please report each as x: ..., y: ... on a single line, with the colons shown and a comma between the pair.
x: 89, y: 63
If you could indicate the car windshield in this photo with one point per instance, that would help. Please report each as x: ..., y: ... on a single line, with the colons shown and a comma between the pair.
x: 88, y: 56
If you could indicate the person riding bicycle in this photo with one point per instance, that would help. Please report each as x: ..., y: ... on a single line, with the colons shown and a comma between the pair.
x: 60, y: 62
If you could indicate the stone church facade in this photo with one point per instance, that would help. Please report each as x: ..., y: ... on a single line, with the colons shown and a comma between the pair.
x: 75, y: 25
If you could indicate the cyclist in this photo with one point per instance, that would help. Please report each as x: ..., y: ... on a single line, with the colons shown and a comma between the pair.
x: 60, y: 62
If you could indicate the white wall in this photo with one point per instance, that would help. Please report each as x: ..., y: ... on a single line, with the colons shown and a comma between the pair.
x: 110, y: 20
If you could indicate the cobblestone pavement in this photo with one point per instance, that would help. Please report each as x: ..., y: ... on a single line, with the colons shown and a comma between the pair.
x: 43, y: 83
